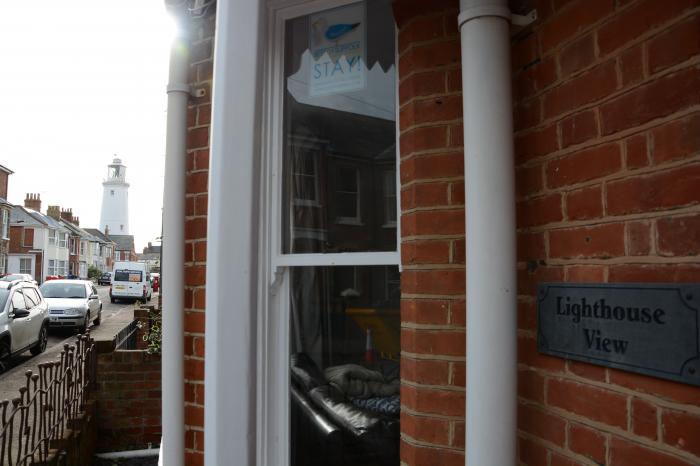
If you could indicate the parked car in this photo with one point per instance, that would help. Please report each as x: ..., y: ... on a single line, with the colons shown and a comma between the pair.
x: 24, y: 318
x: 11, y: 277
x: 105, y: 279
x: 131, y: 281
x: 72, y: 303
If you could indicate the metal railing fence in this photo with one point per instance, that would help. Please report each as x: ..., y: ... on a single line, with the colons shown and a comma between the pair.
x: 33, y: 425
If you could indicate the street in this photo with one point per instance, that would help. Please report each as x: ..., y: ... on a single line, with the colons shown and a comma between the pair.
x: 57, y: 337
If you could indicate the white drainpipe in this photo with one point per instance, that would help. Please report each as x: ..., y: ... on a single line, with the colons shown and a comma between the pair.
x: 173, y: 374
x: 490, y: 234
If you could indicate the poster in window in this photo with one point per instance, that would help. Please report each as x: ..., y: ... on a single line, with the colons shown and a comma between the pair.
x: 337, y: 43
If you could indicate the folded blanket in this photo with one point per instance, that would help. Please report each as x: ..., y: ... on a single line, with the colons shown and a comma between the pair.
x: 359, y: 382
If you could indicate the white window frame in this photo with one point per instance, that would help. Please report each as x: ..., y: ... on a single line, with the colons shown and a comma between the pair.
x: 273, y: 439
x: 52, y: 237
x: 244, y: 259
x: 309, y: 146
x: 52, y: 267
x: 62, y: 240
x: 29, y: 270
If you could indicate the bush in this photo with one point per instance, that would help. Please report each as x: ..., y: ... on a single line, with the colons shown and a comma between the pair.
x: 154, y: 334
x: 94, y: 273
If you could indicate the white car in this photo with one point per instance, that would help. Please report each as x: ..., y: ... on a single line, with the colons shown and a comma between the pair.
x: 24, y: 318
x: 72, y: 303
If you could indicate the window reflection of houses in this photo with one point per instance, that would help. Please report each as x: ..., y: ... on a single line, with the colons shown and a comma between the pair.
x: 340, y: 196
x: 342, y: 184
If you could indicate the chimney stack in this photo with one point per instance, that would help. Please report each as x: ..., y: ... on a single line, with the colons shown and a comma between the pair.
x: 67, y: 215
x: 54, y: 212
x: 76, y: 221
x: 33, y: 201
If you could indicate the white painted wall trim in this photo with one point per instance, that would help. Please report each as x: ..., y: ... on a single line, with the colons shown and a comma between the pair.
x: 230, y: 352
x: 345, y: 258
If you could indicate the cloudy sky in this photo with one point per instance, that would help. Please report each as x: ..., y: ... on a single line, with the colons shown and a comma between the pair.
x: 81, y: 81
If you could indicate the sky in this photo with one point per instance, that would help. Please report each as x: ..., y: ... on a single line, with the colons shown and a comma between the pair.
x: 81, y: 81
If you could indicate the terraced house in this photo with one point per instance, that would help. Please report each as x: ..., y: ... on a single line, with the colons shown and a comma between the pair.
x: 39, y: 243
x: 433, y: 233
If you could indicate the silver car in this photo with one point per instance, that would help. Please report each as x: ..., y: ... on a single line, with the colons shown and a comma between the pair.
x: 72, y: 303
x: 23, y: 319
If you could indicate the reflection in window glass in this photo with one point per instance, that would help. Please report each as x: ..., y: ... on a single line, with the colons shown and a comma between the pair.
x: 344, y: 367
x: 339, y: 130
x: 305, y: 174
x: 347, y: 195
x: 389, y: 198
x: 339, y: 133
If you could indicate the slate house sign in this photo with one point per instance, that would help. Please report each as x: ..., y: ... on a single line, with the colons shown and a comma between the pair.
x: 652, y: 329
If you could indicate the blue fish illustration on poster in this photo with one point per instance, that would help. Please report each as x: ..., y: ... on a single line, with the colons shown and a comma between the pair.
x: 336, y: 31
x: 337, y: 44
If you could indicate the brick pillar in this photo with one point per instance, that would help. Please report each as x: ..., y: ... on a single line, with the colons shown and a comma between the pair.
x: 198, y: 125
x: 432, y: 230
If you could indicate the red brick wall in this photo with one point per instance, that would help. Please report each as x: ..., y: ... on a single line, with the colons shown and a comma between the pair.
x: 128, y: 400
x: 21, y: 239
x: 432, y: 229
x: 608, y: 175
x: 199, y: 116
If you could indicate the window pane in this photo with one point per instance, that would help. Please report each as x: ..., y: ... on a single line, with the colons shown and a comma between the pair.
x: 18, y: 300
x: 347, y: 179
x: 346, y: 206
x: 339, y: 129
x: 344, y: 366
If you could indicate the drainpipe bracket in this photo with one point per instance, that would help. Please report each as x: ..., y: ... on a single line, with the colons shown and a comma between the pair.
x: 183, y: 88
x: 498, y: 11
x: 480, y: 11
x: 524, y: 20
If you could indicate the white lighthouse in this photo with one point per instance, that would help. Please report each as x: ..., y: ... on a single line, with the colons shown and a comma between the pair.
x: 114, y: 218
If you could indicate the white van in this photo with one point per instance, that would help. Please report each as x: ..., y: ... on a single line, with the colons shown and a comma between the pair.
x: 130, y: 280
